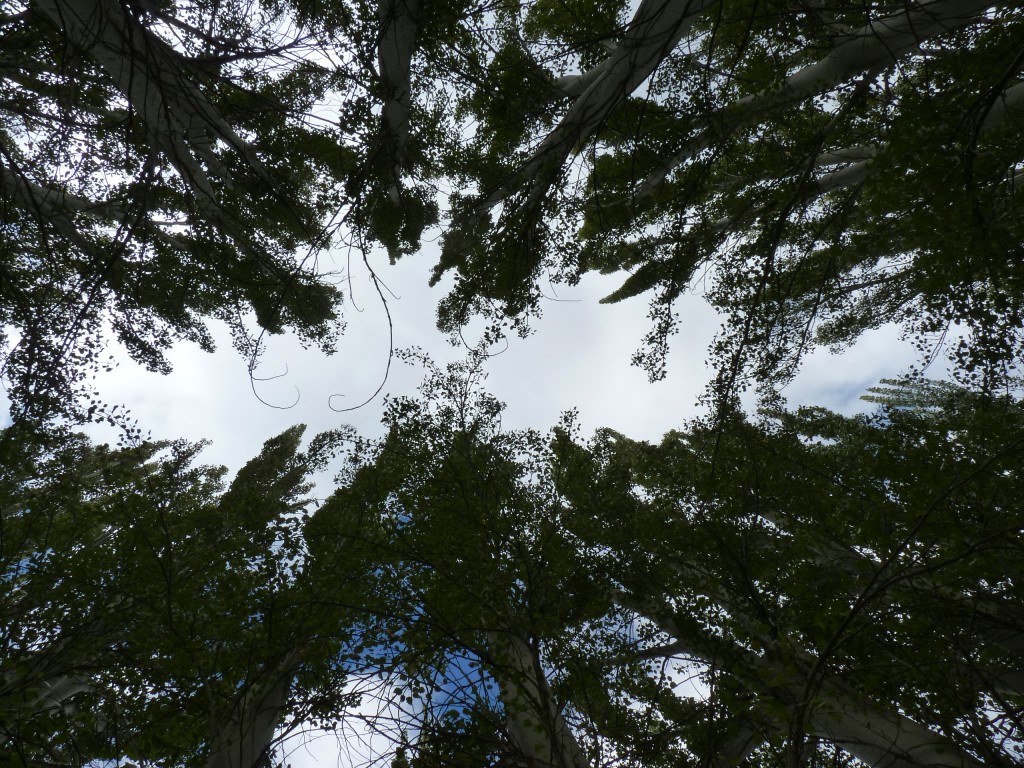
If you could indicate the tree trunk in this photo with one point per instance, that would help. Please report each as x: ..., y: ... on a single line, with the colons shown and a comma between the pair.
x: 535, y: 724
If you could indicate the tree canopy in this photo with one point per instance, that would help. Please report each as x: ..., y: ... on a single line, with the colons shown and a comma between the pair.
x: 160, y: 166
x: 168, y: 163
x: 816, y: 168
x: 150, y: 613
x: 785, y: 588
x: 805, y: 589
x: 809, y: 589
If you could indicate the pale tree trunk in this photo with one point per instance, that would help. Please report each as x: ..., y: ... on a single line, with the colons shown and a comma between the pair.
x: 399, y: 22
x: 55, y: 206
x: 45, y: 696
x: 149, y: 73
x: 882, y: 739
x: 243, y: 736
x: 874, y: 46
x: 48, y: 678
x: 536, y: 726
x: 655, y: 30
x: 1008, y: 104
x: 839, y: 715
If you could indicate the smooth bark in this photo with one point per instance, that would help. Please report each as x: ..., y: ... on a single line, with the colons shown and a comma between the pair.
x: 534, y: 722
x: 838, y: 714
x: 244, y: 736
x: 179, y: 120
x: 399, y: 21
x: 874, y: 46
x: 655, y: 30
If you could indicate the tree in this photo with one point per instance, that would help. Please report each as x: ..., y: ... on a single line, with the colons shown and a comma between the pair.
x: 819, y: 169
x: 165, y: 163
x: 802, y: 589
x: 152, y: 614
x: 161, y: 164
x: 808, y: 590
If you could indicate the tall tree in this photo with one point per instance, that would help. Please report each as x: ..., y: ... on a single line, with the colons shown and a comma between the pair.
x: 164, y: 163
x: 161, y: 164
x: 151, y: 614
x: 818, y: 169
x: 810, y: 590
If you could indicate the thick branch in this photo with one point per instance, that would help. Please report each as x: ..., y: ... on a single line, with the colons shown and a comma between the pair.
x: 875, y: 45
x: 243, y: 737
x: 840, y: 714
x: 178, y: 118
x: 654, y: 32
x: 55, y: 205
x: 1009, y: 104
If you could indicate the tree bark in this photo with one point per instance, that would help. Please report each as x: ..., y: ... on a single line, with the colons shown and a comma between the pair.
x: 838, y: 714
x: 243, y: 736
x: 874, y: 45
x: 399, y: 22
x: 535, y: 724
x: 655, y: 30
x: 149, y: 73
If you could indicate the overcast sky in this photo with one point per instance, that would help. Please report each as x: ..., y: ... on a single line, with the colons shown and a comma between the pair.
x: 578, y: 357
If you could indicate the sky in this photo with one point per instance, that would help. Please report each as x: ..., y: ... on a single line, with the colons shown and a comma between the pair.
x: 578, y: 357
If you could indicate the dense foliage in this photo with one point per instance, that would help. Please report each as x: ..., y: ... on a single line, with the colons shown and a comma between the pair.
x: 814, y: 169
x: 807, y: 590
x: 798, y: 588
x: 160, y: 166
x: 148, y: 612
x: 167, y: 163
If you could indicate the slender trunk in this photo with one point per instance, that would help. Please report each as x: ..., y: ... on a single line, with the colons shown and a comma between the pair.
x: 399, y: 21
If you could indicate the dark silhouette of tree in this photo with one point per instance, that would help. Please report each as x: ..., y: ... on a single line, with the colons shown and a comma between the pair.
x: 161, y: 164
x: 152, y: 614
x: 809, y: 590
x: 816, y: 169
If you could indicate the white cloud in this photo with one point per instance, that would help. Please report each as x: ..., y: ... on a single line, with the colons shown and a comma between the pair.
x: 578, y: 357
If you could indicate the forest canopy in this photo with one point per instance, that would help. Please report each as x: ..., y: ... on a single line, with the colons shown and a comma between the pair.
x: 807, y: 589
x: 815, y: 169
x: 791, y: 587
